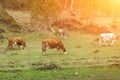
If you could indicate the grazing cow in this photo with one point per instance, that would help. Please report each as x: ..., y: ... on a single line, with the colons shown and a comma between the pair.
x: 107, y: 39
x: 52, y: 43
x: 58, y: 32
x: 16, y: 41
x: 62, y: 33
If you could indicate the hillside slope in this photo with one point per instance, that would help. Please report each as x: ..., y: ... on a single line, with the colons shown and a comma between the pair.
x: 7, y: 23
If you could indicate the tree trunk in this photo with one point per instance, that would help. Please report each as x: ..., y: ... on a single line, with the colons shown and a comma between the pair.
x: 66, y: 2
x: 60, y: 4
x: 71, y: 6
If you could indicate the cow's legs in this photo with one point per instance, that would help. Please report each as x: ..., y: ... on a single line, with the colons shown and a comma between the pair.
x: 43, y: 50
x: 105, y: 43
x: 9, y: 46
x: 59, y: 51
x: 23, y: 47
x: 44, y: 53
x: 19, y: 46
x: 112, y: 42
x: 14, y: 43
x: 100, y: 42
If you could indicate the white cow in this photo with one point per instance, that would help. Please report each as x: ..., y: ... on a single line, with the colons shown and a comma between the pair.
x: 107, y: 39
x: 59, y: 32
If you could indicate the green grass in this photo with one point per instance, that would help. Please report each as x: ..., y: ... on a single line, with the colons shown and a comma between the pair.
x: 83, y: 60
x: 81, y: 73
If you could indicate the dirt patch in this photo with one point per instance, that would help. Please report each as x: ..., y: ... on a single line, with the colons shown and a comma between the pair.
x: 45, y: 66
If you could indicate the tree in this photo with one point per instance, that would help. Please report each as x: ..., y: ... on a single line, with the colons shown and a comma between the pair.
x: 45, y: 10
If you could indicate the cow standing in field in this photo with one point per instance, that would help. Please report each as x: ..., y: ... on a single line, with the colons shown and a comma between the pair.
x: 62, y: 33
x: 16, y: 41
x: 52, y: 43
x: 58, y: 32
x: 108, y: 39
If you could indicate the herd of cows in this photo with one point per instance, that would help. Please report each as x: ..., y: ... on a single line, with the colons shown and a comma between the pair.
x: 106, y: 39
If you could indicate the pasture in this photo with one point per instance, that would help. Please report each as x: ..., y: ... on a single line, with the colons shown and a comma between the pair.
x: 84, y: 59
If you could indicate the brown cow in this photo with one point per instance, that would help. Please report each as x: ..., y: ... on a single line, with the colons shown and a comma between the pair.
x: 52, y: 43
x: 16, y: 41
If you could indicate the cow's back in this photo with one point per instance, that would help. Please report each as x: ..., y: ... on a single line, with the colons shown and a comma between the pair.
x: 107, y: 36
x: 51, y: 43
x: 19, y: 39
x: 16, y: 39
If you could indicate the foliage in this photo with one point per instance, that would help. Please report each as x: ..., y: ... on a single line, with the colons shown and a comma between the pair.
x: 47, y: 7
x: 7, y: 22
x: 16, y: 4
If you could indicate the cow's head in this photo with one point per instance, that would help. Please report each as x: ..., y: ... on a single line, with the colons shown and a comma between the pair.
x: 64, y: 50
x: 24, y: 44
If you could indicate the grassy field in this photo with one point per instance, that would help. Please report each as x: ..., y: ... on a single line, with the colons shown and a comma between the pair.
x: 81, y: 73
x: 84, y: 59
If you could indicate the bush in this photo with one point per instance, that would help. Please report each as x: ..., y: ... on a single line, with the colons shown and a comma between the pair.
x: 2, y: 30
